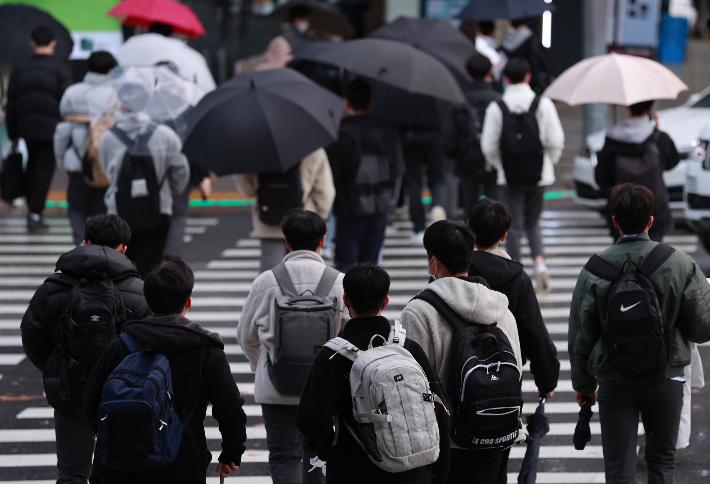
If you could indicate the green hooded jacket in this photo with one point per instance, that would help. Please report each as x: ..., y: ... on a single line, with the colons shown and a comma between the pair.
x: 683, y: 293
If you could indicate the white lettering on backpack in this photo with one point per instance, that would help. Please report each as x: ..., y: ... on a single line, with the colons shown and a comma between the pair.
x: 139, y: 188
x: 416, y: 416
x: 95, y: 318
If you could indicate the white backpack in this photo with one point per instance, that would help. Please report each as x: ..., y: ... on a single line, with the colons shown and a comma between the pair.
x: 392, y: 403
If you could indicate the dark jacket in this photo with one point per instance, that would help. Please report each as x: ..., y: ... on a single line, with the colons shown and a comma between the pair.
x: 510, y: 278
x: 33, y: 96
x: 200, y: 373
x: 40, y: 324
x: 327, y: 394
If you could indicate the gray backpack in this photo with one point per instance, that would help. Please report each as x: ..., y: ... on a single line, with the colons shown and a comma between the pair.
x: 302, y: 325
x: 392, y: 404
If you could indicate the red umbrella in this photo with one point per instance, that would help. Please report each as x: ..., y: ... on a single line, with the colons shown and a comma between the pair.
x: 144, y: 12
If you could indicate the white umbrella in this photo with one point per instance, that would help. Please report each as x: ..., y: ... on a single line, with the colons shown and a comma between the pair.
x: 615, y: 79
x: 151, y: 49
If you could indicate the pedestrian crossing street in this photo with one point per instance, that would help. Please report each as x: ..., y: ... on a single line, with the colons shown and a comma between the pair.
x: 26, y: 427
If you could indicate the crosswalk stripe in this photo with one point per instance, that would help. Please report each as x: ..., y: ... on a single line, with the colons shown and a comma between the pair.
x: 564, y: 477
x: 48, y: 412
x: 560, y: 452
x: 555, y: 408
x: 35, y: 249
x: 11, y: 359
x: 28, y: 259
x: 562, y: 386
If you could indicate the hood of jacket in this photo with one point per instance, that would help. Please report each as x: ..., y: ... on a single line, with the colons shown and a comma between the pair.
x: 515, y: 38
x: 496, y: 270
x: 632, y: 130
x: 471, y: 299
x: 104, y: 260
x: 132, y: 123
x: 477, y: 90
x: 172, y: 333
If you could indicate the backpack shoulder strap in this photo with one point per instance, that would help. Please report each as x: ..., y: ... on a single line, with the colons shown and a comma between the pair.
x: 655, y: 259
x: 123, y: 136
x: 397, y: 334
x: 343, y: 347
x: 600, y: 268
x: 503, y: 107
x: 442, y: 308
x: 284, y: 280
x: 326, y: 282
x: 534, y: 105
x: 133, y: 345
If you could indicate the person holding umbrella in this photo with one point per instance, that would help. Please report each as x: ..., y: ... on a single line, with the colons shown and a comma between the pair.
x: 520, y: 41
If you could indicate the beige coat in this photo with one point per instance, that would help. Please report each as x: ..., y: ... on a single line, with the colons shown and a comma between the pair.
x: 318, y: 192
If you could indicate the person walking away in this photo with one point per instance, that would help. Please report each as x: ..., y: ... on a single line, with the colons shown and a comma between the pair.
x: 307, y: 185
x: 145, y: 168
x: 188, y: 368
x: 523, y: 139
x: 327, y: 402
x: 32, y: 113
x: 62, y: 355
x: 70, y: 142
x: 636, y: 151
x: 487, y: 33
x: 298, y: 29
x: 635, y: 310
x: 455, y: 308
x: 461, y: 134
x: 521, y: 42
x: 367, y: 162
x: 266, y: 338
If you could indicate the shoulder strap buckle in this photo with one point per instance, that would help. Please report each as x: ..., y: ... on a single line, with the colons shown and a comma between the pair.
x: 343, y: 347
x: 397, y: 334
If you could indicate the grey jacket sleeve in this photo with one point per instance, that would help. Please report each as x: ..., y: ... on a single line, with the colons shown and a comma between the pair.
x: 178, y: 168
x: 694, y: 317
x: 584, y: 332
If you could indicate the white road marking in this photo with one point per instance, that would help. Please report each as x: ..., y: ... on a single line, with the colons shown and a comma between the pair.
x: 561, y: 478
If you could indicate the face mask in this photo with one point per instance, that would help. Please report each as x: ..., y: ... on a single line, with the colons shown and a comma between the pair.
x: 429, y: 272
x: 303, y: 26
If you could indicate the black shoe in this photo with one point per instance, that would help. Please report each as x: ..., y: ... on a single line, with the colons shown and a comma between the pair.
x: 36, y: 222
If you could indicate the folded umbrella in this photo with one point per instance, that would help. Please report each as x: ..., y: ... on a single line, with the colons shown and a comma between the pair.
x: 145, y: 12
x: 482, y: 10
x: 582, y: 432
x: 16, y: 25
x: 538, y: 427
x: 324, y: 16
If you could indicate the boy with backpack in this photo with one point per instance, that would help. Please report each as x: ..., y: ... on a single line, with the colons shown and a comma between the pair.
x: 70, y: 319
x: 521, y: 41
x: 636, y: 151
x: 635, y: 310
x: 377, y: 388
x: 292, y: 310
x: 367, y: 164
x: 523, y: 139
x: 471, y: 339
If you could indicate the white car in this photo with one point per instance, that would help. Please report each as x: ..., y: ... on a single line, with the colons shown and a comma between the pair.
x: 696, y: 205
x: 683, y: 124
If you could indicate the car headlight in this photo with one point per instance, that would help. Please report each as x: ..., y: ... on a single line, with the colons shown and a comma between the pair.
x: 699, y: 150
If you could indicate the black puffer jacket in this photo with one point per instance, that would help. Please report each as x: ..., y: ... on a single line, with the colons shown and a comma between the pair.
x: 200, y: 373
x: 509, y: 277
x: 33, y: 96
x: 40, y: 324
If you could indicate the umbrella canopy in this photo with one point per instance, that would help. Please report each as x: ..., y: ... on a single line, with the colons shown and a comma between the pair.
x: 16, y: 25
x: 615, y: 79
x: 538, y: 427
x: 144, y: 12
x: 388, y: 61
x: 402, y: 109
x: 262, y: 122
x: 324, y: 16
x: 152, y: 49
x: 483, y: 10
x: 582, y: 432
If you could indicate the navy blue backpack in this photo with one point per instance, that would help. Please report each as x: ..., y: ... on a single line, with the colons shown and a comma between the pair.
x: 138, y: 427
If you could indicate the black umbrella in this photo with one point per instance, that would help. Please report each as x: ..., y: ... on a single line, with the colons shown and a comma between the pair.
x: 262, y: 122
x: 324, y: 16
x: 388, y: 61
x: 16, y: 25
x: 505, y: 9
x: 537, y: 429
x: 582, y: 432
x: 400, y: 108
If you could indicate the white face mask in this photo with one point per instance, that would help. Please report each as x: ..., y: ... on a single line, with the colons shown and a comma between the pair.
x: 429, y: 272
x: 303, y: 26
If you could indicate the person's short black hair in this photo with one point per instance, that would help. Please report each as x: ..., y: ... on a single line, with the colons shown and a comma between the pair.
x: 478, y: 66
x: 641, y: 108
x: 518, y: 22
x: 108, y: 230
x: 632, y: 205
x: 516, y: 69
x: 487, y: 28
x: 161, y: 28
x: 359, y: 94
x: 43, y: 35
x: 299, y: 11
x: 366, y: 285
x: 452, y: 243
x: 101, y: 62
x: 303, y: 229
x: 489, y: 220
x: 168, y: 287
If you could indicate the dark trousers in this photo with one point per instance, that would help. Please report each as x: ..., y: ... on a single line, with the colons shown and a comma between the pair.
x: 359, y: 239
x: 75, y: 447
x: 619, y: 407
x: 84, y: 202
x: 145, y: 249
x: 38, y: 177
x: 526, y: 203
x: 473, y: 188
x: 417, y: 157
x: 176, y: 234
x: 289, y: 455
x: 478, y: 466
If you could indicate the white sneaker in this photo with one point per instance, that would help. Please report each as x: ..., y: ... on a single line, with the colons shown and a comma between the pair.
x: 542, y: 276
x: 417, y: 239
x: 437, y: 213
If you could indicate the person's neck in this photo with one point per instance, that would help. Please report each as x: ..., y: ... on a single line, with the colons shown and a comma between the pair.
x: 43, y: 51
x: 445, y: 273
x: 487, y: 249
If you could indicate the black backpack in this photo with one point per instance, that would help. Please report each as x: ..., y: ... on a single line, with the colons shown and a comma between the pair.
x: 521, y: 150
x: 278, y: 193
x: 542, y: 69
x: 635, y: 332
x: 138, y: 189
x: 485, y: 387
x: 643, y: 170
x: 470, y: 161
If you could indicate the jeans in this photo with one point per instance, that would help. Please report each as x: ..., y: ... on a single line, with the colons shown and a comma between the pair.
x: 38, y: 177
x: 75, y: 447
x: 619, y: 407
x: 478, y: 466
x: 272, y: 253
x: 289, y: 455
x: 145, y: 249
x: 84, y: 202
x: 525, y: 202
x: 359, y: 239
x: 174, y: 241
x: 416, y: 158
x: 472, y: 189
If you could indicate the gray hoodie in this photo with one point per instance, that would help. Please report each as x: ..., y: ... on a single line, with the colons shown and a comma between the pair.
x: 632, y: 130
x: 515, y: 38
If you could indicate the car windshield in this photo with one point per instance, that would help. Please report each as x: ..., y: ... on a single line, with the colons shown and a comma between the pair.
x: 703, y: 102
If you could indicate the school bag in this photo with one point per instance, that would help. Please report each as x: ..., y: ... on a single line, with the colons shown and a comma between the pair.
x: 139, y: 429
x: 485, y: 386
x: 302, y: 325
x: 521, y: 150
x: 278, y: 193
x: 470, y: 161
x: 138, y: 188
x: 635, y: 332
x: 393, y: 405
x: 644, y: 169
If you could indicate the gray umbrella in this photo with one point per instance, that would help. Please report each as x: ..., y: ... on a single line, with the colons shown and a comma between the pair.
x: 538, y: 427
x: 505, y: 9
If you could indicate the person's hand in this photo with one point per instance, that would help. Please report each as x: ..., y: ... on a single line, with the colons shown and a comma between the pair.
x: 224, y: 470
x: 580, y: 398
x: 206, y: 187
x: 547, y: 395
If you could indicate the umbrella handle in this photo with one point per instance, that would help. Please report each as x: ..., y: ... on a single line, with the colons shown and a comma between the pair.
x: 542, y: 400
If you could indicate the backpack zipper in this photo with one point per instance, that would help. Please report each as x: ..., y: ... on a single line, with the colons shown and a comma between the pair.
x: 157, y: 391
x: 125, y: 380
x: 463, y: 367
x: 130, y: 372
x: 487, y: 367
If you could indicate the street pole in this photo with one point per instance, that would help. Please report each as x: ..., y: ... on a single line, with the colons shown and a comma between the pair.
x: 594, y: 29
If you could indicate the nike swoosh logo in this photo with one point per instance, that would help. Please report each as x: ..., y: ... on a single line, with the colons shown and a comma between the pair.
x: 623, y: 309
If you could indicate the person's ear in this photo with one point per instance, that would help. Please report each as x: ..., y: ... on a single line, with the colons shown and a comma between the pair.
x: 33, y: 44
x: 321, y: 244
x: 505, y: 236
x: 528, y: 78
x: 345, y: 301
x: 85, y: 242
x: 650, y: 223
x: 468, y: 223
x: 616, y: 224
x: 387, y: 301
x: 288, y: 246
x: 189, y: 303
x: 53, y: 44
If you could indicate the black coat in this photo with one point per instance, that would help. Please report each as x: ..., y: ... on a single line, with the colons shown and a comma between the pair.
x: 327, y: 393
x: 200, y: 373
x: 509, y: 277
x: 33, y: 96
x: 40, y: 324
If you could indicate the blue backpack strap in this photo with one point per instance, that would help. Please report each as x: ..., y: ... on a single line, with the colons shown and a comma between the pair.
x: 133, y: 345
